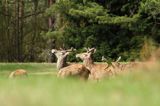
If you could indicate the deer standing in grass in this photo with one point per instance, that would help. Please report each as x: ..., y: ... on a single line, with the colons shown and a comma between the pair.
x: 97, y: 71
x: 66, y: 69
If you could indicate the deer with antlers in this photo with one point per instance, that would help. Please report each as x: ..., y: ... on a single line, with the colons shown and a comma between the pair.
x: 97, y: 71
x: 117, y: 67
x: 66, y: 69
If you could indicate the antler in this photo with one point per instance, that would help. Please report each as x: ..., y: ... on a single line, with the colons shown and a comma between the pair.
x: 87, y: 49
x: 61, y: 48
x: 71, y: 49
x: 91, y: 50
x: 119, y: 58
x: 67, y: 50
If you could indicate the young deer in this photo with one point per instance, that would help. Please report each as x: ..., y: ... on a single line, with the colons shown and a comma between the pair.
x: 18, y: 72
x: 66, y: 69
x: 97, y: 71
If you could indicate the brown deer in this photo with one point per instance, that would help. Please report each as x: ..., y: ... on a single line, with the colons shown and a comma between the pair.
x: 115, y: 67
x: 18, y: 72
x: 66, y: 69
x: 97, y: 71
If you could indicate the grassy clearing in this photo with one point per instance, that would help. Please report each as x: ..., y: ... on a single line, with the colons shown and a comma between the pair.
x: 134, y: 89
x: 32, y: 68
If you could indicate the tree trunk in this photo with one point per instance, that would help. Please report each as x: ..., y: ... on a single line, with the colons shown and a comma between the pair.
x: 50, y: 26
x: 18, y: 30
x: 35, y: 34
x: 50, y: 19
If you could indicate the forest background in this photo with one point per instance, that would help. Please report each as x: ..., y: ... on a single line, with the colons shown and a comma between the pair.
x: 29, y: 29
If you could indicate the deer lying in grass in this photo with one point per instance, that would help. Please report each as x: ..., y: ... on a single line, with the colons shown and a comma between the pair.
x: 114, y: 67
x: 117, y: 67
x: 19, y: 72
x: 66, y: 69
x: 97, y: 71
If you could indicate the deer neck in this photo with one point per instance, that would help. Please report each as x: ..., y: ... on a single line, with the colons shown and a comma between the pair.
x: 61, y: 63
x: 88, y: 63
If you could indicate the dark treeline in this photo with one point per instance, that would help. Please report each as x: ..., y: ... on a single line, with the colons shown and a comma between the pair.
x: 30, y: 28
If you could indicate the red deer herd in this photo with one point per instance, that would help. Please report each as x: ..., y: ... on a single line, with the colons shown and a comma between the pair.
x: 88, y: 69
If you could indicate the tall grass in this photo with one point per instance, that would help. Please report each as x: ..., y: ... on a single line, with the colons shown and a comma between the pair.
x: 148, y: 48
x: 140, y: 88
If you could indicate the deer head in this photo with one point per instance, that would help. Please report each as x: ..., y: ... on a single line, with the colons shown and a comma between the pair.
x: 87, y: 56
x: 61, y: 55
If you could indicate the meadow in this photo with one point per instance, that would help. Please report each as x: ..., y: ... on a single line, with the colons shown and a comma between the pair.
x: 43, y: 88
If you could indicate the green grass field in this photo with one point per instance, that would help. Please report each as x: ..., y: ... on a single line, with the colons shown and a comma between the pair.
x: 43, y: 88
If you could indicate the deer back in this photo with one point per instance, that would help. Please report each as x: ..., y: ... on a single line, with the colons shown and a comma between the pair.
x: 74, y: 70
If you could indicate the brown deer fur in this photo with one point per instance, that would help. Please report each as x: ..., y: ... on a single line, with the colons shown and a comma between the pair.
x: 18, y: 72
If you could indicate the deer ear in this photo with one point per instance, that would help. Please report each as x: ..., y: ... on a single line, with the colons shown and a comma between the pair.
x: 61, y: 48
x: 86, y: 49
x: 67, y: 53
x: 71, y: 50
x: 94, y: 50
x: 53, y: 51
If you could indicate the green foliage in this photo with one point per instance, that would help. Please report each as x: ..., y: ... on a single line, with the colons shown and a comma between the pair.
x: 113, y: 29
x: 150, y: 7
x: 89, y: 11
